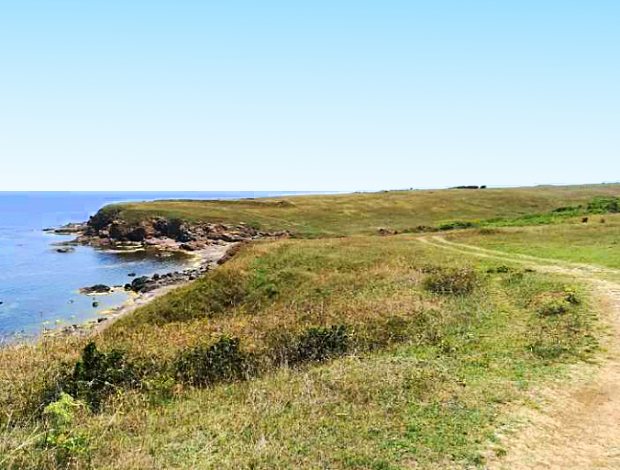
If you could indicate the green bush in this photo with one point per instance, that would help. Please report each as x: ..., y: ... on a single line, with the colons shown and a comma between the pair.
x: 203, y: 365
x: 319, y: 344
x: 159, y: 387
x: 567, y: 210
x: 460, y: 281
x: 556, y: 303
x: 501, y: 269
x: 552, y: 307
x: 67, y: 444
x: 571, y: 296
x: 457, y: 225
x: 97, y: 374
x: 604, y: 205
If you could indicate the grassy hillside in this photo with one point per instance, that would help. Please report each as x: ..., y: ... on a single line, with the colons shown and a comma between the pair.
x: 596, y: 242
x: 421, y: 348
x: 338, y: 352
x: 347, y: 214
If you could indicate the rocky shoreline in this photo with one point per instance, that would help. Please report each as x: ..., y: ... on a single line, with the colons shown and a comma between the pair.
x: 144, y: 289
x: 210, y: 244
x: 106, y: 230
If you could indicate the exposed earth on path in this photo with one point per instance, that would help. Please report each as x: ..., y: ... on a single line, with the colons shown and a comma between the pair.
x: 576, y: 425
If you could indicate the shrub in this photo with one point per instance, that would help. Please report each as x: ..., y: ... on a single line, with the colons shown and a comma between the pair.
x: 567, y: 210
x: 203, y: 365
x: 459, y: 281
x: 556, y: 303
x: 159, y: 387
x: 60, y: 435
x: 604, y: 205
x: 556, y: 336
x: 456, y: 225
x: 97, y: 374
x: 318, y: 344
x: 502, y: 269
x: 264, y: 284
x: 571, y: 296
x: 552, y: 306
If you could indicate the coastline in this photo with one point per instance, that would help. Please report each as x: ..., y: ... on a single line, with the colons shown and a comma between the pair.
x: 205, y: 260
x: 209, y: 244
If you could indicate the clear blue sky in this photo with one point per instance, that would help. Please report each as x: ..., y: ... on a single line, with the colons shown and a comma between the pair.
x: 307, y: 95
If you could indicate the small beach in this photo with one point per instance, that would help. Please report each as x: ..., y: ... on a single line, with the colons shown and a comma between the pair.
x: 41, y: 276
x: 198, y: 262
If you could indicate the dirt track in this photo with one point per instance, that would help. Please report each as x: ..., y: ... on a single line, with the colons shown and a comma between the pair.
x: 578, y: 426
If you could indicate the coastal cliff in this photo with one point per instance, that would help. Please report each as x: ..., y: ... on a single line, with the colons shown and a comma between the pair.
x: 107, y: 229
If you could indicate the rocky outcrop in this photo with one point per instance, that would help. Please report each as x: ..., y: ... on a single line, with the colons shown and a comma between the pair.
x: 106, y: 230
x: 68, y: 229
x: 144, y: 284
x: 96, y: 289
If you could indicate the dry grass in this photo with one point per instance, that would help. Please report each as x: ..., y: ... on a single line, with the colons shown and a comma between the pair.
x: 593, y: 242
x: 364, y: 213
x: 422, y: 382
x: 358, y: 352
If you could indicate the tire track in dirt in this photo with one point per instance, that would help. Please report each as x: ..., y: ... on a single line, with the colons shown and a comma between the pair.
x: 578, y: 424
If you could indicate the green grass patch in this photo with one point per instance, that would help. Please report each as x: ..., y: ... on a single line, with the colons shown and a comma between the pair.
x: 334, y: 354
x: 366, y: 213
x: 596, y: 242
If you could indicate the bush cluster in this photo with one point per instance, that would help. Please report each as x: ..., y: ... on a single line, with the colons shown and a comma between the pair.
x: 460, y: 281
x: 459, y: 224
x: 556, y: 303
x: 222, y: 361
x: 67, y: 444
x: 319, y: 344
x: 97, y: 374
x: 604, y: 205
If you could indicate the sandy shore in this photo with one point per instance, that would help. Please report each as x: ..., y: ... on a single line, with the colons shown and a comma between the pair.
x: 204, y: 259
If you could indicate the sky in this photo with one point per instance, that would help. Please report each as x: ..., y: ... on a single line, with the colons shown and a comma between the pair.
x: 307, y: 95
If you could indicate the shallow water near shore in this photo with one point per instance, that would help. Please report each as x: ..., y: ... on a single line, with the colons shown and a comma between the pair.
x: 39, y: 287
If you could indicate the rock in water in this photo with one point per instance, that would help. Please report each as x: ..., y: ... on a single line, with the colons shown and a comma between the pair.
x: 140, y: 284
x: 96, y: 289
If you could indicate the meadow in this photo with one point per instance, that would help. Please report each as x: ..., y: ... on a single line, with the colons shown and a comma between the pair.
x: 365, y: 213
x: 596, y: 242
x: 322, y: 350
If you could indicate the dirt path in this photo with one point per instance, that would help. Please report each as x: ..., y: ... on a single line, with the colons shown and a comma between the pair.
x: 577, y: 425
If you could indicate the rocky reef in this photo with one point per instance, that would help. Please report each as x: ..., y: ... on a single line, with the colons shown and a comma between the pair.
x: 106, y: 230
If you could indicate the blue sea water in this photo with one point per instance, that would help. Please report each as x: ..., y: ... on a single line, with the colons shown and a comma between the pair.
x: 39, y: 286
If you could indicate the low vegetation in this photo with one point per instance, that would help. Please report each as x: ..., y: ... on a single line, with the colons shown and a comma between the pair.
x: 595, y: 242
x: 420, y: 348
x: 365, y: 213
x: 363, y: 351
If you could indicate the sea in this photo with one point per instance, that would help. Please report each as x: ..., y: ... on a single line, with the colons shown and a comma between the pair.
x: 39, y: 287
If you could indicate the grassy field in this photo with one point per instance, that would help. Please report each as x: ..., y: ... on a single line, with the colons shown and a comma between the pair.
x: 364, y: 351
x: 421, y: 374
x: 348, y: 214
x: 593, y: 242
